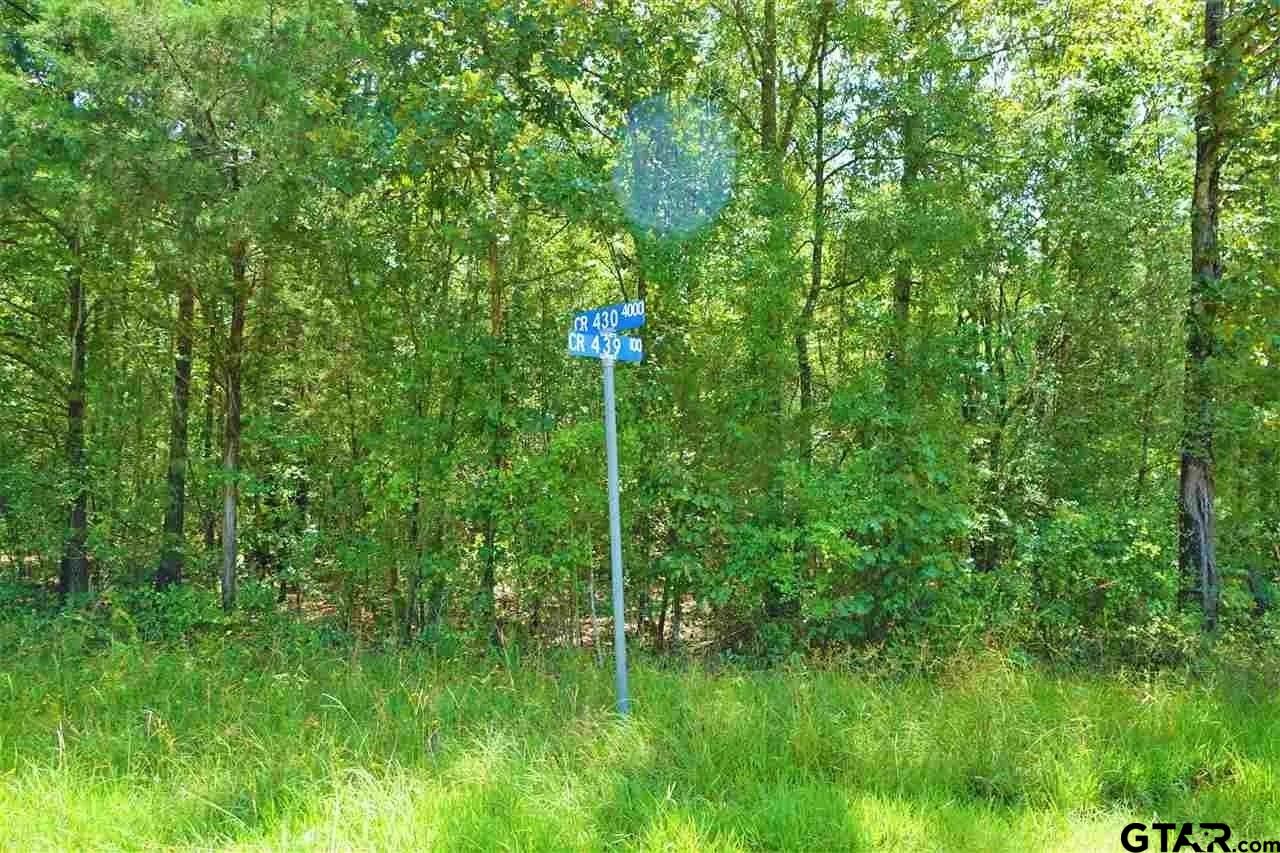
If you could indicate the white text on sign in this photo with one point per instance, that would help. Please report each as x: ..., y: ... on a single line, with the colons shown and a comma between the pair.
x: 587, y: 345
x: 610, y: 318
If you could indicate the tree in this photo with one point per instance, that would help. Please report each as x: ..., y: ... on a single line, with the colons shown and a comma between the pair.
x: 49, y: 179
x: 1236, y: 56
x: 1195, y: 492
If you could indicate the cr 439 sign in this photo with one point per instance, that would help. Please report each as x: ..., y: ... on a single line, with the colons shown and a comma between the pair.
x: 587, y: 345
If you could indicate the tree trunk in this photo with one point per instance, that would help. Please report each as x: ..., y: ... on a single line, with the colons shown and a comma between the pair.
x: 772, y: 302
x: 595, y: 633
x: 437, y: 591
x: 488, y: 579
x: 1199, y: 568
x: 677, y: 618
x: 73, y: 578
x: 231, y: 441
x: 410, y: 619
x: 660, y: 630
x: 170, y: 571
x: 409, y: 616
x: 210, y: 521
x: 769, y: 81
x: 897, y: 360
x: 1144, y: 451
x: 803, y: 364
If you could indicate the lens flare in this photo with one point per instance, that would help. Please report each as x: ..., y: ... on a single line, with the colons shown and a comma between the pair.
x: 675, y: 170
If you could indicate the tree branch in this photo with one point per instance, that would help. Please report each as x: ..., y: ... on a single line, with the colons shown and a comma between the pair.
x: 36, y: 369
x: 739, y: 18
x: 815, y: 48
x: 58, y: 227
x: 30, y: 16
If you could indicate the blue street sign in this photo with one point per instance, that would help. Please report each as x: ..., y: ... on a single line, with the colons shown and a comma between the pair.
x: 610, y: 318
x: 598, y: 346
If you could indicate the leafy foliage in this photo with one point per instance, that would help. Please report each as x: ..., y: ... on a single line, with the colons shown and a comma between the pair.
x: 915, y: 354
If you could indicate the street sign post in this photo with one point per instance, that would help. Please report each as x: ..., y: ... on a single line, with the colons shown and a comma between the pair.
x: 593, y: 334
x: 615, y: 542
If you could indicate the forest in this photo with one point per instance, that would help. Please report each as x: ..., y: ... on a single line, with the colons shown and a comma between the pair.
x: 959, y: 312
x: 961, y: 355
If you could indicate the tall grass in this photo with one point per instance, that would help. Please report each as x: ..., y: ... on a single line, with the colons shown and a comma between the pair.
x: 232, y: 745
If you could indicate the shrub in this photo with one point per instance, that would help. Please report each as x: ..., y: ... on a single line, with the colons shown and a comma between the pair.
x: 1100, y: 584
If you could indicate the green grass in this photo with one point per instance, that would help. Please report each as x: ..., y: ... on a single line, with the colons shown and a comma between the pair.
x: 139, y: 747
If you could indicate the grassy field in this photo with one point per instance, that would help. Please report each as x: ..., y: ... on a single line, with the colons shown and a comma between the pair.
x: 135, y: 747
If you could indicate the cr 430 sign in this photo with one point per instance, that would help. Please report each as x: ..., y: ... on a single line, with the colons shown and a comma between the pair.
x: 610, y: 318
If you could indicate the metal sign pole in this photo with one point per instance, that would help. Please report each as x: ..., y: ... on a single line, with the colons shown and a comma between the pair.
x: 615, y: 540
x: 594, y: 334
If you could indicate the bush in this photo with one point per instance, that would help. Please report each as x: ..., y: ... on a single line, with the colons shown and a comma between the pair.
x: 1098, y: 584
x: 887, y: 538
x: 173, y: 613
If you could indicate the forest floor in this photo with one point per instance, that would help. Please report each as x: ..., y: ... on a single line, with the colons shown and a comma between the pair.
x: 272, y: 746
